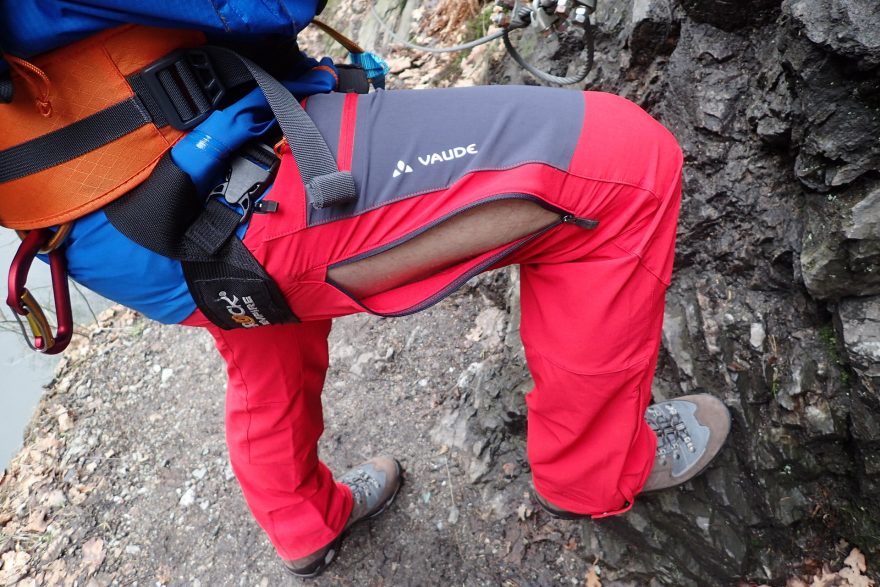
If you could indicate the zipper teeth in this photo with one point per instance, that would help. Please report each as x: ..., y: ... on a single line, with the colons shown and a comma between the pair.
x: 443, y: 219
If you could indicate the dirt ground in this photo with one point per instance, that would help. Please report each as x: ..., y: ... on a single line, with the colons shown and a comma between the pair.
x: 124, y: 477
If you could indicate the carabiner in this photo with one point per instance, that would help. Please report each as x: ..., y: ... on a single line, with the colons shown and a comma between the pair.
x: 22, y: 302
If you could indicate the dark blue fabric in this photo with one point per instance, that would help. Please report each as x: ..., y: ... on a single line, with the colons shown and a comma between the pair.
x: 30, y: 27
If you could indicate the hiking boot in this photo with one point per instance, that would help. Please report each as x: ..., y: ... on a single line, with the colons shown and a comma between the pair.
x: 690, y: 431
x: 374, y: 485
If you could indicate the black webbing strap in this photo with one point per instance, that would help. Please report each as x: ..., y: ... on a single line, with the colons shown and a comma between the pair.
x: 313, y: 158
x: 352, y: 79
x: 205, y: 74
x: 73, y: 140
x: 164, y: 215
x: 6, y: 88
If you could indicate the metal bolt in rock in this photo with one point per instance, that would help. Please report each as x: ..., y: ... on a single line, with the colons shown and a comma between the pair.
x: 500, y: 19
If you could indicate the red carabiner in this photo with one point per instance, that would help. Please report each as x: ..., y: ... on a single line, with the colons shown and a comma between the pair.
x: 22, y: 303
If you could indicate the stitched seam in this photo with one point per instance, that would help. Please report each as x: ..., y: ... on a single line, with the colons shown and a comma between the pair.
x: 451, y: 212
x: 617, y: 182
x: 570, y: 370
x: 438, y: 189
x: 642, y: 263
x: 416, y: 194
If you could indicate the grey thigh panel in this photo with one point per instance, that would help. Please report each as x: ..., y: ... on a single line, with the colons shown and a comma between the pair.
x: 410, y: 142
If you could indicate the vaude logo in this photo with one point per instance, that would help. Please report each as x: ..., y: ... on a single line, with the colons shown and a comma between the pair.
x: 434, y: 158
x: 239, y: 314
x: 401, y: 168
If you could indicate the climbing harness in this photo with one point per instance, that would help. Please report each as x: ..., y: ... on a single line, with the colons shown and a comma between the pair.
x: 545, y: 16
x: 59, y: 162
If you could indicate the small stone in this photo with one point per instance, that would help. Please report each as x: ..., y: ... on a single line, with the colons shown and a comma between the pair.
x: 167, y: 373
x: 157, y: 369
x: 757, y: 334
x: 132, y: 549
x: 188, y: 498
x: 200, y: 473
x: 55, y: 499
x: 65, y: 422
x: 399, y: 64
x: 454, y: 514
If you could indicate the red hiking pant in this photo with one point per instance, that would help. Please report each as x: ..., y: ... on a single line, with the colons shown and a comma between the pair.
x: 592, y: 289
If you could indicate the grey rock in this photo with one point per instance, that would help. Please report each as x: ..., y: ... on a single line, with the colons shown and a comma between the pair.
x: 652, y: 30
x: 841, y: 249
x: 847, y: 27
x: 729, y: 15
x: 860, y: 320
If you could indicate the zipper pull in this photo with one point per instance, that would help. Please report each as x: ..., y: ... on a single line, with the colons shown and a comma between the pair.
x: 584, y: 223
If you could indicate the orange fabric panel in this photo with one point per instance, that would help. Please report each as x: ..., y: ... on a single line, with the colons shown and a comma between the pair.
x: 84, y: 78
x: 73, y: 189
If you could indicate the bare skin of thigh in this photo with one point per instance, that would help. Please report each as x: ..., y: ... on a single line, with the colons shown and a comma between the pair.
x: 460, y: 238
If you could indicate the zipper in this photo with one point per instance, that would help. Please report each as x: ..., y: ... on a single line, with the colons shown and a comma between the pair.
x: 584, y: 223
x: 565, y: 218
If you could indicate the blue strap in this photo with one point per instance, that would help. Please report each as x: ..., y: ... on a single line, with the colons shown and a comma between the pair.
x: 205, y: 152
x: 374, y: 65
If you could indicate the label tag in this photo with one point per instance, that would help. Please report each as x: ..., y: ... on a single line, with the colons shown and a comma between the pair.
x: 239, y: 303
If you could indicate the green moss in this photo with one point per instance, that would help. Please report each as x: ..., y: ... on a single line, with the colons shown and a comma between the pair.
x: 479, y: 25
x: 829, y: 339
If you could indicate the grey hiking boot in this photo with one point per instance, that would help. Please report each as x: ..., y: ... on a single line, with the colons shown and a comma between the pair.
x: 690, y: 431
x: 374, y: 485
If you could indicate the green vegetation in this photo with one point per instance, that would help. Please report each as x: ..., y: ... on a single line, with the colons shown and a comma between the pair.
x: 829, y: 339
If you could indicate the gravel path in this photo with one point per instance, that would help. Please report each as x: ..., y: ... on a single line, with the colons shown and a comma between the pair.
x: 124, y: 478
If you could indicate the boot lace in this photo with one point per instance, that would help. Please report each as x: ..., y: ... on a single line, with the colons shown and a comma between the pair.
x: 672, y: 433
x: 362, y: 485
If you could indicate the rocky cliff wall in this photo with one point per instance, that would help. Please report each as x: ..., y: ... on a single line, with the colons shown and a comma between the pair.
x: 775, y: 306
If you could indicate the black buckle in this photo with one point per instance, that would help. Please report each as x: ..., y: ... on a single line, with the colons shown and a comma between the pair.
x: 250, y: 173
x: 189, y: 76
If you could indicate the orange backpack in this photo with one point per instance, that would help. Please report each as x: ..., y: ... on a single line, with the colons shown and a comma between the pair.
x: 71, y: 100
x: 95, y: 120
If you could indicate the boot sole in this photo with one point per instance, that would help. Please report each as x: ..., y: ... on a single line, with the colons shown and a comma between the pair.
x: 336, y: 545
